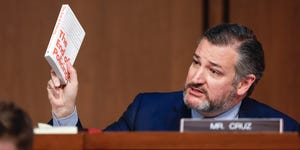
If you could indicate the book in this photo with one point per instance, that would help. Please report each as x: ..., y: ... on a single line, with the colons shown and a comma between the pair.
x: 48, y: 129
x: 64, y: 43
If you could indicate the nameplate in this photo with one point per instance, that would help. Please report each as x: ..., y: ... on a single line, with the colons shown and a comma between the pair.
x: 237, y: 125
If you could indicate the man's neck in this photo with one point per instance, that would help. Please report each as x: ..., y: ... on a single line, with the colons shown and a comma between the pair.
x: 229, y: 114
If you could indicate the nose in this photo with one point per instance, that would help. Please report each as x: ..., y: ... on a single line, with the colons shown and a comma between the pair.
x: 199, y: 76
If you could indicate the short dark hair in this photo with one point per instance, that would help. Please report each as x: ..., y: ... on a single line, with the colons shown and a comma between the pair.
x: 250, y: 51
x: 15, y: 125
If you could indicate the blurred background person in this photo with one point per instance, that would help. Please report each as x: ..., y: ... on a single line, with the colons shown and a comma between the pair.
x: 16, y: 129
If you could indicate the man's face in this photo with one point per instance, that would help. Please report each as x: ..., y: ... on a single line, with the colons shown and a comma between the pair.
x: 209, y: 84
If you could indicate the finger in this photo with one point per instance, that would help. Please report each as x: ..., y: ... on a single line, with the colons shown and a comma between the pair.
x: 53, y: 93
x: 72, y: 72
x: 51, y: 96
x: 50, y: 85
x: 55, y: 79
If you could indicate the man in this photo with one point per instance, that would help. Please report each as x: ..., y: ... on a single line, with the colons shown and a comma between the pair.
x: 227, y: 64
x: 16, y: 130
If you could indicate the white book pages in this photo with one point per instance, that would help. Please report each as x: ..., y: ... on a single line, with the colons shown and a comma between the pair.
x: 48, y: 129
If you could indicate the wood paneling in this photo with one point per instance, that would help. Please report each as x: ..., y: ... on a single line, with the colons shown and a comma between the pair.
x: 276, y: 24
x: 130, y: 46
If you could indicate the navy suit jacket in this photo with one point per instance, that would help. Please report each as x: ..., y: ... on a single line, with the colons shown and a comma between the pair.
x: 163, y: 111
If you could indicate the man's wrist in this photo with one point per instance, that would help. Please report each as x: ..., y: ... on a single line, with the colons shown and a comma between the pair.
x: 63, y: 112
x: 70, y: 120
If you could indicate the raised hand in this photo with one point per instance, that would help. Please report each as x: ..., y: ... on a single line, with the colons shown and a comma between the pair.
x: 63, y: 97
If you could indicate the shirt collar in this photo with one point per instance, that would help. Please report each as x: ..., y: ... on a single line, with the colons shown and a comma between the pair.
x: 230, y: 114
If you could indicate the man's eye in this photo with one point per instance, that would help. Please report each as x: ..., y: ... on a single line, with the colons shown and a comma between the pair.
x: 195, y: 62
x: 215, y: 72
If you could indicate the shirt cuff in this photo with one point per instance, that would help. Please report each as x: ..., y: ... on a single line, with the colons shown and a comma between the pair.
x: 70, y: 120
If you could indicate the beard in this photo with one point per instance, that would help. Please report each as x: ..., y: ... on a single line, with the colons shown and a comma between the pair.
x: 209, y: 105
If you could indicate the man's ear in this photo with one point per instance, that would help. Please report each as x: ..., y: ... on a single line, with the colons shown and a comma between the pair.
x: 245, y: 83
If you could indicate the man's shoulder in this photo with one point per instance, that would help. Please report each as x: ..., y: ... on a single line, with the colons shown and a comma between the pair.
x: 159, y: 96
x: 162, y: 94
x: 251, y: 108
x: 150, y: 99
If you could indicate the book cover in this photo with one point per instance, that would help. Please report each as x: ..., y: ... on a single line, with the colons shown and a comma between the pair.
x: 65, y: 42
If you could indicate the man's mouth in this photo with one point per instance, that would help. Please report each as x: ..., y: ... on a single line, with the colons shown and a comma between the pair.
x: 197, y: 92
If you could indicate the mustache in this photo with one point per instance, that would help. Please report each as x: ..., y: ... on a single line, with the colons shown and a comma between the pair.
x: 196, y: 86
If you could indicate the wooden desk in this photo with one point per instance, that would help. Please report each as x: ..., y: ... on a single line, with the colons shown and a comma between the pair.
x: 59, y: 142
x: 169, y: 140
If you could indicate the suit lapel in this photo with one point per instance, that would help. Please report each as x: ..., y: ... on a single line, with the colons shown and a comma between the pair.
x: 247, y: 109
x: 180, y: 108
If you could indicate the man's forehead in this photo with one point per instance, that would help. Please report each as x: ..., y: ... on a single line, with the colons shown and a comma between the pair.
x: 216, y: 54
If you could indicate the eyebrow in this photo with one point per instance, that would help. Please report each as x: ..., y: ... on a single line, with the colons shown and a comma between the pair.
x: 210, y: 62
x: 215, y: 65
